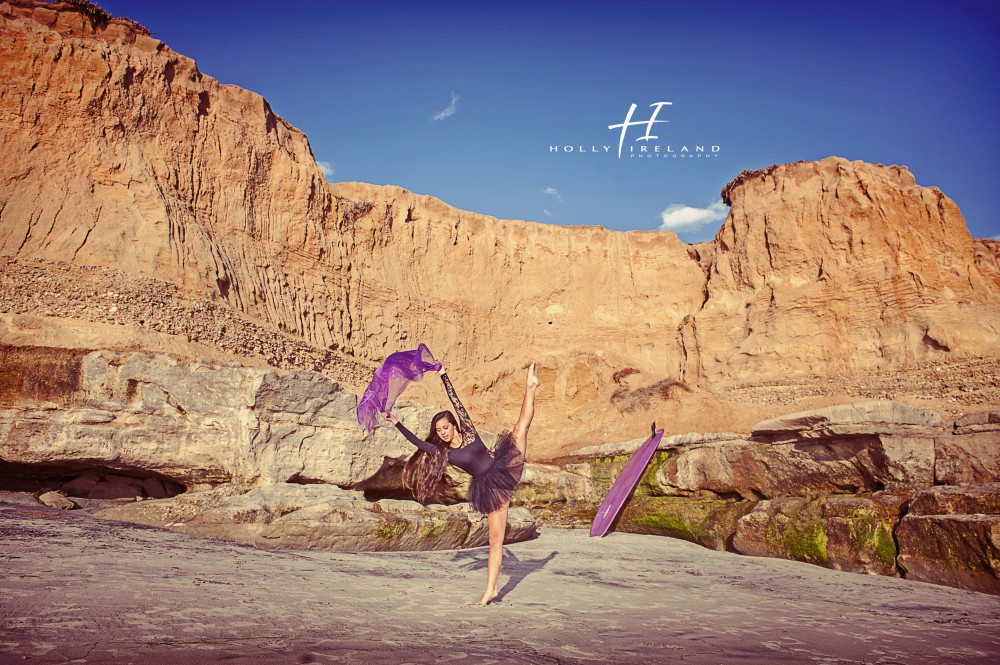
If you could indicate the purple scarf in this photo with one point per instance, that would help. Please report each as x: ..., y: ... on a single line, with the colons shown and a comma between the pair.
x: 390, y: 379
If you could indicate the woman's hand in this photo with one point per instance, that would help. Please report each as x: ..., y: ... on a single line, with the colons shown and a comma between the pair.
x: 391, y: 418
x: 442, y: 371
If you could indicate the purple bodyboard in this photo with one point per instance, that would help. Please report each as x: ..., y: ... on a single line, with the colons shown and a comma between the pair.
x: 624, y: 485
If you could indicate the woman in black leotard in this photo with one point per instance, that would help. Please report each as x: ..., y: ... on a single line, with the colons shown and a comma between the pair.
x: 494, y: 477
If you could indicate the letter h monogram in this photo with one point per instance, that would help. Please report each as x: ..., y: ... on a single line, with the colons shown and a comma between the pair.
x: 649, y: 124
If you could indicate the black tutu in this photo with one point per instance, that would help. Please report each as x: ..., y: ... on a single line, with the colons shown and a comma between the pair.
x: 492, y: 490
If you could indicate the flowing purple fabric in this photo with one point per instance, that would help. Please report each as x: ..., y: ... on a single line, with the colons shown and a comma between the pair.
x: 390, y: 379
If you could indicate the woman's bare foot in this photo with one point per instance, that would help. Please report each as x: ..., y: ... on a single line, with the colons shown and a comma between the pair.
x: 532, y: 381
x: 487, y: 597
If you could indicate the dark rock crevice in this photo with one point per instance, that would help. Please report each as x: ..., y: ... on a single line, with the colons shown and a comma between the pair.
x: 87, y: 481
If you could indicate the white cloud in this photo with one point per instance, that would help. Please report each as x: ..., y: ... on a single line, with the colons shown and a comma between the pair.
x: 326, y: 168
x: 547, y: 213
x: 552, y: 191
x: 685, y: 218
x: 450, y: 111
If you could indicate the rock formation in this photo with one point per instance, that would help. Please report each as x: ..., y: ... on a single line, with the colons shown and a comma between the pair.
x: 951, y: 535
x: 869, y: 487
x: 197, y: 424
x: 223, y: 451
x: 320, y: 517
x: 279, y: 461
x: 119, y: 154
x: 56, y: 500
x: 845, y: 251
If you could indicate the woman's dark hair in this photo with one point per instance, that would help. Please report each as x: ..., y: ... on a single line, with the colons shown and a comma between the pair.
x: 423, y: 472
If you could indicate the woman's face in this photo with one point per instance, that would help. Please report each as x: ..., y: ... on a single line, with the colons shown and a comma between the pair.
x: 446, y: 431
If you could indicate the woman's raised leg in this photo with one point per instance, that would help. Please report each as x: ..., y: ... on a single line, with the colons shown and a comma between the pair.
x: 520, y: 432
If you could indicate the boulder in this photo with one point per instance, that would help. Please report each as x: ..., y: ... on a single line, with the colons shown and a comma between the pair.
x: 857, y: 448
x: 200, y: 424
x: 978, y: 421
x: 290, y: 516
x: 949, y: 500
x: 539, y: 486
x: 967, y: 459
x: 575, y: 484
x: 875, y: 417
x: 113, y: 486
x: 859, y: 532
x: 666, y: 443
x: 844, y: 533
x: 709, y: 522
x: 809, y: 467
x: 952, y: 537
x: 82, y: 484
x: 562, y: 496
x: 156, y: 488
x: 850, y: 448
x: 56, y: 500
x: 95, y: 484
x: 753, y: 470
x: 783, y: 528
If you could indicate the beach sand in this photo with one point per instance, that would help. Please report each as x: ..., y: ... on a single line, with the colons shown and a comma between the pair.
x: 78, y: 589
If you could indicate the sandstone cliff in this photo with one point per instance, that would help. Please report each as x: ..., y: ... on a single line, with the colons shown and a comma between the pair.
x: 119, y: 154
x: 845, y: 251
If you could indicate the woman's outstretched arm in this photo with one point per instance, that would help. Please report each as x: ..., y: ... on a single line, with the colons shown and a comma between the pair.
x: 410, y: 436
x: 469, y: 433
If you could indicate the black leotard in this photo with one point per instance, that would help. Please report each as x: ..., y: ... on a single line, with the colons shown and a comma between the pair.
x: 472, y: 457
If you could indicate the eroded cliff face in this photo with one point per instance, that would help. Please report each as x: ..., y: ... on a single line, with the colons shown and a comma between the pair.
x: 838, y: 264
x: 117, y: 152
x: 472, y: 283
x: 820, y: 268
x: 487, y: 295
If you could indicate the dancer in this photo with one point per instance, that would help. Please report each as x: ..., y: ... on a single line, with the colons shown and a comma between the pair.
x: 493, y: 478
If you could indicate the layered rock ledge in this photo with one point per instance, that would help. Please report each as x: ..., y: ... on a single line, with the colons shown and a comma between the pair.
x: 320, y: 517
x: 279, y: 461
x: 872, y: 487
x: 243, y: 453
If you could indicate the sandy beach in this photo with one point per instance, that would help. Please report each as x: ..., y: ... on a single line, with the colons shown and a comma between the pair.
x: 78, y: 589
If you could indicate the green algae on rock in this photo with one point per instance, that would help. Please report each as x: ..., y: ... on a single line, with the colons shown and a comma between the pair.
x: 708, y: 522
x: 850, y: 533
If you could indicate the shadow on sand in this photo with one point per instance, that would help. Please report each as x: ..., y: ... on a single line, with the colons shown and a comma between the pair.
x: 517, y: 568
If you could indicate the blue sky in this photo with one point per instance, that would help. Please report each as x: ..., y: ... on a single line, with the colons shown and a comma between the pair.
x: 465, y: 101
